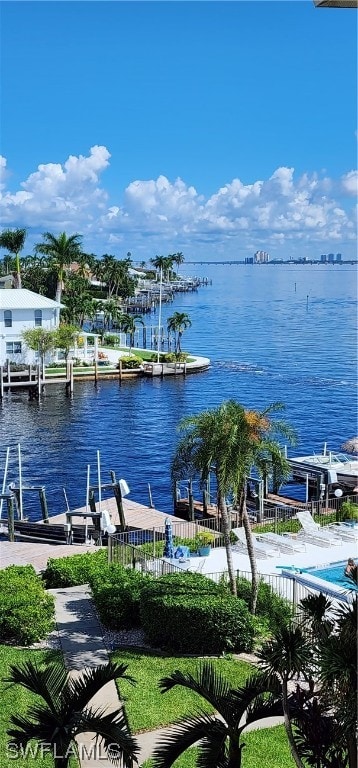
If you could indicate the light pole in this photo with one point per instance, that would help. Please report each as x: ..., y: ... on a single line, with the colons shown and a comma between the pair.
x: 160, y: 311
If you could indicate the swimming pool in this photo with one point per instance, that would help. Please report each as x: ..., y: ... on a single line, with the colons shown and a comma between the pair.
x: 334, y: 573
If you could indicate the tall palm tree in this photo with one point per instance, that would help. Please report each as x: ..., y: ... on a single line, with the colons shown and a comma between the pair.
x: 178, y: 258
x: 164, y: 263
x: 14, y: 240
x: 228, y: 440
x: 322, y: 651
x: 66, y: 712
x: 287, y: 657
x: 61, y: 251
x: 128, y: 324
x: 178, y: 323
x: 219, y: 737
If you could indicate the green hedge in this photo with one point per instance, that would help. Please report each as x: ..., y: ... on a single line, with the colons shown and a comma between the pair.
x: 191, y: 614
x: 270, y: 606
x: 74, y: 570
x: 117, y: 591
x: 26, y: 610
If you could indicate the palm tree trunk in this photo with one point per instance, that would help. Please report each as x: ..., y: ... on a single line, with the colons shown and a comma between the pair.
x: 18, y: 271
x: 250, y: 551
x: 286, y: 715
x: 227, y: 542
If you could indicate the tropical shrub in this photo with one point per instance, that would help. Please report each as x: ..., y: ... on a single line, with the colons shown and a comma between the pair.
x: 17, y: 367
x: 348, y: 511
x: 191, y: 614
x: 74, y: 570
x: 116, y: 592
x: 270, y: 606
x: 130, y: 361
x: 111, y: 340
x: 203, y: 539
x: 26, y: 610
x: 175, y: 357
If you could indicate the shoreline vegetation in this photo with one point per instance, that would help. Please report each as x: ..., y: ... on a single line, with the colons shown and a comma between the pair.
x: 104, y: 297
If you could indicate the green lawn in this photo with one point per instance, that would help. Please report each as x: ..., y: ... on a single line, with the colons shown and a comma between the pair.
x: 15, y: 700
x: 147, y: 708
x: 267, y: 748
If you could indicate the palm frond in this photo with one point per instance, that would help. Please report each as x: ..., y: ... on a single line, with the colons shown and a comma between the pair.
x: 79, y: 691
x: 208, y: 683
x: 111, y: 730
x: 47, y: 682
x: 185, y: 734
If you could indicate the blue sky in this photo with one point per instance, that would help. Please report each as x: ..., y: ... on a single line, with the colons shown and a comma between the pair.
x: 214, y: 128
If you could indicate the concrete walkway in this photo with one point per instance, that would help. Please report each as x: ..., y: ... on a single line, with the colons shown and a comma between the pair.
x: 83, y: 645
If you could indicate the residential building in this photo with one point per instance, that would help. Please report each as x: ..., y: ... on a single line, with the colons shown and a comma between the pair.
x: 261, y: 257
x: 21, y: 310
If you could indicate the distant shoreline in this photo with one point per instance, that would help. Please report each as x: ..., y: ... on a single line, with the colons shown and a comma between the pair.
x: 277, y: 262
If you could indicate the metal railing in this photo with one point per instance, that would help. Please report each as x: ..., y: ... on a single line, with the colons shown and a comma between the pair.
x: 278, y: 519
x: 129, y: 556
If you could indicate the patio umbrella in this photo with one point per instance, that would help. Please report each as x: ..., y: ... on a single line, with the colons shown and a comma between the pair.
x: 351, y: 445
x: 168, y: 545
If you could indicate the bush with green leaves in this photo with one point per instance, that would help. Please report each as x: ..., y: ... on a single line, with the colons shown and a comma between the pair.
x: 130, y: 361
x: 26, y: 610
x: 191, y: 614
x: 74, y: 570
x: 111, y: 339
x: 348, y: 511
x: 116, y: 592
x: 270, y: 606
x: 175, y: 357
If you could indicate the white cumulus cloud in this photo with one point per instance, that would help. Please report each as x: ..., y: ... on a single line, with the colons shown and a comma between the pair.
x: 163, y: 214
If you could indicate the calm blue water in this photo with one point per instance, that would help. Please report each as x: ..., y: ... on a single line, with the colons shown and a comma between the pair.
x: 267, y: 342
x: 334, y: 573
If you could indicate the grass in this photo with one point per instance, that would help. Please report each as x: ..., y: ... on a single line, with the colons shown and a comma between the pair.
x: 266, y: 747
x: 146, y: 707
x: 15, y: 700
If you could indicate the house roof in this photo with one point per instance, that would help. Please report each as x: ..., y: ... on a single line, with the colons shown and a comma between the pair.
x: 21, y: 298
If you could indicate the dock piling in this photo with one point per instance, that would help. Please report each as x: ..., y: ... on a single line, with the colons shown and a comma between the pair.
x: 43, y: 504
x: 10, y: 518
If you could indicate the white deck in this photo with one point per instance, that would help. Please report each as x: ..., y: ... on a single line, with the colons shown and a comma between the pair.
x: 313, y: 556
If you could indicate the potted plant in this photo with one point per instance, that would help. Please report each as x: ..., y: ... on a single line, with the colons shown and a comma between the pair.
x: 203, y: 542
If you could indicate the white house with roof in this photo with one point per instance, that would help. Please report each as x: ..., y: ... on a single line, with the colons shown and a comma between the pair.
x: 21, y: 310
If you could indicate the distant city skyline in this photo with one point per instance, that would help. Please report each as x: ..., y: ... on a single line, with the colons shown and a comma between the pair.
x: 213, y: 128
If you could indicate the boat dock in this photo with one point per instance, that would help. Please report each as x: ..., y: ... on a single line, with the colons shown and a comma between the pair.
x: 36, y: 551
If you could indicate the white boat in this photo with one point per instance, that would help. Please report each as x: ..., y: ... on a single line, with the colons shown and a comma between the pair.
x: 337, y: 468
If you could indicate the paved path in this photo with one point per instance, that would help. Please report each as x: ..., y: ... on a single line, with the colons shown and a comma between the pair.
x: 82, y: 645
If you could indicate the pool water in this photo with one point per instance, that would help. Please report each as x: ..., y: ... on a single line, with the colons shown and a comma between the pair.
x: 334, y: 573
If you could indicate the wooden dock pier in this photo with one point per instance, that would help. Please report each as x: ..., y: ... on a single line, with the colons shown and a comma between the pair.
x: 36, y: 551
x: 34, y: 380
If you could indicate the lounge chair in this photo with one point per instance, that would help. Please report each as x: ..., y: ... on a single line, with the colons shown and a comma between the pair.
x: 315, y: 533
x: 261, y: 549
x: 284, y: 543
x: 344, y: 531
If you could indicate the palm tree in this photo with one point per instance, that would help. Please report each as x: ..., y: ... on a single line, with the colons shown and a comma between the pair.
x: 66, y: 712
x: 178, y: 258
x: 163, y: 263
x: 178, y: 323
x: 228, y: 440
x: 61, y: 251
x: 128, y: 325
x: 219, y: 737
x: 322, y: 651
x: 14, y: 240
x: 287, y: 657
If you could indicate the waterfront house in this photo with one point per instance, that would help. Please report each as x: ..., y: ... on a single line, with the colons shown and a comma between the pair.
x: 21, y: 310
